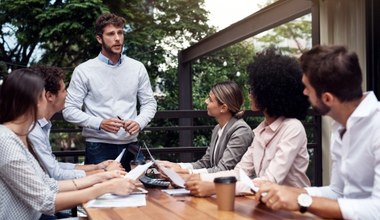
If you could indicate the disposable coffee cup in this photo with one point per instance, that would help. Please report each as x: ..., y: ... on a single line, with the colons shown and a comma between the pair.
x: 225, y: 192
x: 135, y: 163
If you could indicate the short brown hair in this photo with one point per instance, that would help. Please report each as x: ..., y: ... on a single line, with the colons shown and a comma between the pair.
x: 107, y: 19
x: 52, y: 76
x: 333, y: 69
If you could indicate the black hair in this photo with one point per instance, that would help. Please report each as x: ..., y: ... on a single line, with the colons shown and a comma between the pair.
x: 275, y: 82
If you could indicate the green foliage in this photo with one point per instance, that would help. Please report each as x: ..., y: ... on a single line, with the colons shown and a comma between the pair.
x: 227, y: 64
x: 67, y: 36
x: 292, y: 38
x: 61, y: 30
x: 63, y: 34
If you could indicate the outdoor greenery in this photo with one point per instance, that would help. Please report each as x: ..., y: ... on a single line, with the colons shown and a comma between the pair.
x: 61, y: 33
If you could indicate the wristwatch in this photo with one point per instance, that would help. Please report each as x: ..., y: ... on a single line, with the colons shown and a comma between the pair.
x: 304, y: 201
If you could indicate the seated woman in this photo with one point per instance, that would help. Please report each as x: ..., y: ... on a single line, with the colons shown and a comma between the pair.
x: 230, y: 137
x: 279, y: 151
x: 26, y: 192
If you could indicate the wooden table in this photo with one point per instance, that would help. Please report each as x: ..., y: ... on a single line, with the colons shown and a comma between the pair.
x: 161, y: 206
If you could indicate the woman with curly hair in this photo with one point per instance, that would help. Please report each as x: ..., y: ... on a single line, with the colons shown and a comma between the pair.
x: 278, y: 152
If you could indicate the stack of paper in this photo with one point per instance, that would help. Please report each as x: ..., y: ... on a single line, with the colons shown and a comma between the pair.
x: 110, y: 201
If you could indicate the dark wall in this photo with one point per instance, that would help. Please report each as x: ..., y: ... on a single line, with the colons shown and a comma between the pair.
x: 373, y: 45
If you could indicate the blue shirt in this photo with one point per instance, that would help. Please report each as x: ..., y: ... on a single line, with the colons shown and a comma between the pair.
x: 39, y: 137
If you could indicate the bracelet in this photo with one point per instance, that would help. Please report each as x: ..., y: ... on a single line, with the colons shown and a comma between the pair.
x: 76, y: 186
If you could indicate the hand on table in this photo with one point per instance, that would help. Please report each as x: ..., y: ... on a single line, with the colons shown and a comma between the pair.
x: 121, y: 186
x: 279, y: 197
x: 200, y: 188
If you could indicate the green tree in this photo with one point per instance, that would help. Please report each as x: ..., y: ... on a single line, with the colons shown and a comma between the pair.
x: 63, y: 34
x: 292, y: 38
x: 61, y: 30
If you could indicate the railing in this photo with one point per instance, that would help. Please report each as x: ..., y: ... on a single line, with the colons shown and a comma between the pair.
x: 191, y: 153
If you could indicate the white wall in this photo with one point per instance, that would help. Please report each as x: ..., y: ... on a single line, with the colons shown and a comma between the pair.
x: 342, y: 23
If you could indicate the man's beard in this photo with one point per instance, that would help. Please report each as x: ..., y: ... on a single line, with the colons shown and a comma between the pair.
x: 109, y: 50
x: 321, y: 108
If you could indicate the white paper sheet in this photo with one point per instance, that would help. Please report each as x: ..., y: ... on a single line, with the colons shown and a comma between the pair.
x: 246, y: 180
x: 118, y: 158
x: 110, y: 201
x: 171, y: 174
x: 138, y: 171
x: 176, y: 192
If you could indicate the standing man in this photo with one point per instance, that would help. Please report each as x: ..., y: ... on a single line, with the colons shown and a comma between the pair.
x: 103, y: 96
x: 55, y: 93
x: 332, y: 79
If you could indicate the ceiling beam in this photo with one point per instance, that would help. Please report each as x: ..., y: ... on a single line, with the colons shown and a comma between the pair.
x: 267, y: 18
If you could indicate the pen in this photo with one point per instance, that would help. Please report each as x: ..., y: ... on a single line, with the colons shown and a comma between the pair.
x: 119, y: 117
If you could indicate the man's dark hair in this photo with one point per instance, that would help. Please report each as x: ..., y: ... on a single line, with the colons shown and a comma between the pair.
x: 275, y: 82
x: 52, y: 77
x: 107, y: 19
x: 333, y: 69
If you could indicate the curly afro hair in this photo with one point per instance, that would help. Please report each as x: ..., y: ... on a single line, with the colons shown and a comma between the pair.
x: 275, y: 82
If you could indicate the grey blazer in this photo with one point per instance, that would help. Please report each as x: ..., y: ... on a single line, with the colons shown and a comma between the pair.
x: 237, y: 136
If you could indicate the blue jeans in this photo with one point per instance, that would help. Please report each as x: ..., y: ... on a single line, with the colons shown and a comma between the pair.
x: 98, y: 152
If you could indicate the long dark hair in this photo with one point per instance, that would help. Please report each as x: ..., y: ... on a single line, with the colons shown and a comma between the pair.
x: 19, y: 95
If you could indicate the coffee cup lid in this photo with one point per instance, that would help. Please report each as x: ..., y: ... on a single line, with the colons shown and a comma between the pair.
x: 227, y: 179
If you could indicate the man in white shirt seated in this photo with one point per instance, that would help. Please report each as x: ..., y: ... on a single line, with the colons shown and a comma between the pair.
x: 332, y: 79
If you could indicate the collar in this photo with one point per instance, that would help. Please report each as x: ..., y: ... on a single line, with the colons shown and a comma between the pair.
x: 107, y: 61
x: 366, y: 107
x: 273, y: 126
x: 44, y: 123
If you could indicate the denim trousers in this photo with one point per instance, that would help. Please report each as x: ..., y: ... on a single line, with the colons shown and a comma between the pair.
x: 98, y: 152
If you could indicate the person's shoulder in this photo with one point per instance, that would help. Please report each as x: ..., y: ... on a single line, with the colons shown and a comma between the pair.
x: 240, y: 125
x: 89, y: 63
x: 292, y: 122
x: 5, y: 132
x: 129, y: 60
x: 8, y: 141
x: 292, y: 125
x: 241, y: 122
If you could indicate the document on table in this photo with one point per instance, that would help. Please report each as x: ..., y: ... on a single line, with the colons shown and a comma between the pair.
x: 173, y: 176
x: 138, y: 171
x: 176, y: 192
x: 118, y: 158
x: 246, y: 180
x: 110, y: 201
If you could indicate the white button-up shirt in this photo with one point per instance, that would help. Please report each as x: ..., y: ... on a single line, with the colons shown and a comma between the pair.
x: 355, y: 178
